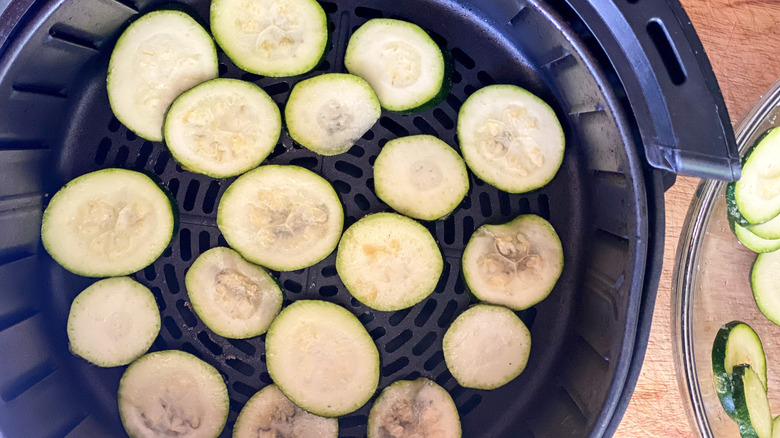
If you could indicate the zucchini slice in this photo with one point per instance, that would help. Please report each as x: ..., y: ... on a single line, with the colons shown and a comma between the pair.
x: 515, y: 264
x: 776, y: 427
x: 420, y: 176
x: 270, y: 414
x: 113, y: 322
x: 172, y: 393
x: 753, y: 242
x: 233, y: 297
x: 107, y: 223
x: 322, y: 358
x: 388, y: 261
x: 281, y: 217
x: 486, y: 347
x: 751, y: 406
x: 159, y: 56
x: 757, y: 193
x: 510, y: 138
x: 328, y: 113
x: 735, y: 344
x: 269, y: 37
x: 401, y: 62
x: 765, y: 282
x: 414, y: 408
x: 222, y: 127
x: 734, y: 216
x: 769, y: 230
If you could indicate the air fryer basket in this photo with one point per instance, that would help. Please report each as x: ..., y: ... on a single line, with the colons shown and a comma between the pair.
x: 56, y: 124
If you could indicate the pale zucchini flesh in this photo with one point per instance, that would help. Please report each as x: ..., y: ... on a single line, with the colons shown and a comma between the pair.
x: 172, y: 393
x: 776, y: 427
x: 270, y: 414
x: 414, y: 408
x: 753, y: 242
x: 769, y: 230
x: 420, y: 176
x: 401, y: 62
x: 516, y: 264
x: 736, y: 343
x: 271, y: 37
x: 113, y: 322
x: 328, y: 113
x: 765, y: 282
x: 757, y: 193
x: 388, y: 261
x: 159, y: 56
x: 486, y: 347
x: 510, y: 138
x: 222, y: 127
x: 322, y: 358
x: 752, y: 412
x: 107, y: 223
x: 281, y: 217
x: 233, y: 297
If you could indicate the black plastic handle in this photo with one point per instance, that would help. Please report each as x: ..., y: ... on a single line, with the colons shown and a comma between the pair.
x: 669, y: 82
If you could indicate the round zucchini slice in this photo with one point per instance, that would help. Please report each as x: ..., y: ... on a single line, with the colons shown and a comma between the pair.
x: 107, y: 223
x: 388, y: 261
x: 233, y: 297
x: 328, y: 113
x: 420, y: 176
x: 736, y: 343
x: 281, y: 217
x: 510, y: 138
x: 222, y: 128
x: 158, y: 56
x: 270, y: 414
x: 401, y: 62
x: 751, y: 406
x: 765, y: 282
x: 515, y: 264
x: 753, y: 242
x: 172, y: 393
x: 414, y: 408
x: 757, y: 193
x: 322, y: 358
x: 269, y: 37
x: 113, y: 322
x: 486, y: 347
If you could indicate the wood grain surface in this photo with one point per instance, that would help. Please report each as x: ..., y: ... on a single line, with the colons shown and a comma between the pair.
x: 742, y: 39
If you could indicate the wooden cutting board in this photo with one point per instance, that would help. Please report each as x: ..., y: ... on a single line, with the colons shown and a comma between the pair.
x: 742, y: 39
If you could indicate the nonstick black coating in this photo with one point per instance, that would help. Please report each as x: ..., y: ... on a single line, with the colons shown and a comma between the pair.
x: 579, y: 333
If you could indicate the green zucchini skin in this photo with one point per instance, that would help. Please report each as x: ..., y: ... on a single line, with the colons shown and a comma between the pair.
x: 733, y: 210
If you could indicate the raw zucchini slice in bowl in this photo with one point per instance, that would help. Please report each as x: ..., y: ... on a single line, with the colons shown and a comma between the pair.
x: 222, y: 127
x: 270, y: 414
x: 172, y: 393
x: 281, y: 217
x: 735, y: 344
x: 322, y: 358
x: 159, y: 56
x: 486, y: 347
x: 328, y: 113
x: 765, y: 282
x: 414, y: 408
x: 401, y: 62
x: 769, y: 230
x: 271, y: 38
x: 113, y: 322
x: 510, y: 138
x: 233, y: 297
x: 515, y: 264
x: 420, y: 176
x: 751, y: 406
x: 388, y: 261
x: 757, y: 193
x: 108, y: 223
x: 776, y: 427
x: 753, y: 242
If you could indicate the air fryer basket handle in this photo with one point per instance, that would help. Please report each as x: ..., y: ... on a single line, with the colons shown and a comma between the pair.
x: 669, y: 82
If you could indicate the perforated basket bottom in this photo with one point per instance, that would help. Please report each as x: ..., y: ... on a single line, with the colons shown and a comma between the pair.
x: 409, y: 340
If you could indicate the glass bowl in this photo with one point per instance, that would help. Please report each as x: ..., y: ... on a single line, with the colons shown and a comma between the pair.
x: 711, y: 287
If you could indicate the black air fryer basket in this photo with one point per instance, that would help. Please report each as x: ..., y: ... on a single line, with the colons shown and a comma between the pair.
x: 637, y: 99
